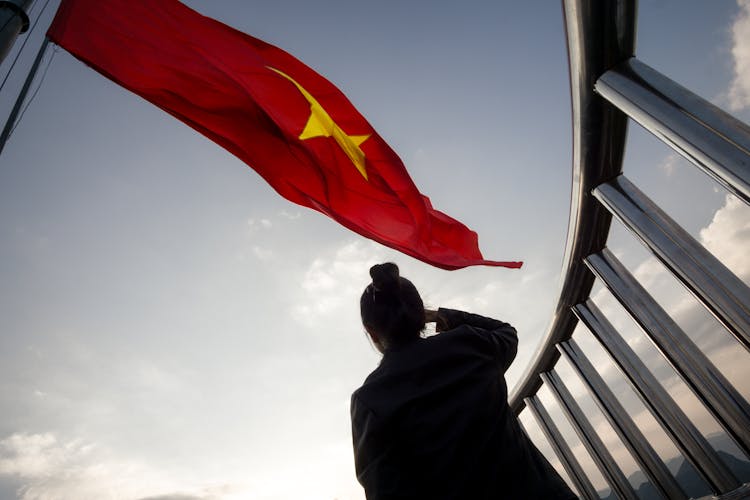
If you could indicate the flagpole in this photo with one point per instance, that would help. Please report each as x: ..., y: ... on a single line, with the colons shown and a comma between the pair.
x: 13, y: 22
x: 22, y: 95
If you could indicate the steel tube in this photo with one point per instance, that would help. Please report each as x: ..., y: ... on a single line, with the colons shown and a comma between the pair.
x: 11, y: 121
x: 651, y: 464
x: 13, y: 22
x: 599, y: 35
x: 562, y: 450
x: 590, y: 439
x: 673, y: 420
x: 706, y: 381
x: 741, y: 493
x: 715, y: 286
x: 708, y: 137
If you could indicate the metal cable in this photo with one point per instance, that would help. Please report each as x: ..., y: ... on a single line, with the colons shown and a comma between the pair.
x: 55, y: 50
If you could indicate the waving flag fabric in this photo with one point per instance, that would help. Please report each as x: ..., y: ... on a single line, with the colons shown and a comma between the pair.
x: 291, y: 125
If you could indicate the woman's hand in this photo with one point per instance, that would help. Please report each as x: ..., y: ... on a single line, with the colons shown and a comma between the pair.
x: 430, y: 316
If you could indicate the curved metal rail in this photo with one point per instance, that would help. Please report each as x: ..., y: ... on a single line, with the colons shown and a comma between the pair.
x: 600, y: 36
x: 609, y: 87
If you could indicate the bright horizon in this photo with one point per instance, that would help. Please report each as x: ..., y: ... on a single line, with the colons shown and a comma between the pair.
x: 172, y: 329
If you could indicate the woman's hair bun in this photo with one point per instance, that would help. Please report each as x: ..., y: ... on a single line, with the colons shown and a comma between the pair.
x: 385, y: 277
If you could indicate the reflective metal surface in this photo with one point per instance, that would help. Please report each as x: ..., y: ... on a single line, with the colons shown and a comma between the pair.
x: 705, y: 135
x: 673, y: 420
x: 715, y: 286
x: 11, y: 121
x: 738, y: 494
x: 590, y: 439
x: 649, y: 461
x: 562, y: 450
x: 600, y: 35
x: 706, y: 381
x: 13, y: 21
x: 605, y: 77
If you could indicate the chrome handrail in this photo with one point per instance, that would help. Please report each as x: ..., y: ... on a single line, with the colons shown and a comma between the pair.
x: 609, y: 87
x: 600, y: 36
x: 713, y: 140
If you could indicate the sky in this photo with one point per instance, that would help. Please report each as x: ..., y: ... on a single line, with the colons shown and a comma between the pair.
x: 171, y: 328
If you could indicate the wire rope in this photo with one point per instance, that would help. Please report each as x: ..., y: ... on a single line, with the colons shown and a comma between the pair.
x: 33, y: 94
x: 55, y: 50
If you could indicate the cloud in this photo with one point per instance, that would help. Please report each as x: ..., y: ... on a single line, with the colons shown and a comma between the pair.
x: 669, y: 165
x: 290, y: 215
x: 739, y: 91
x: 255, y: 225
x: 258, y: 229
x: 27, y: 455
x: 47, y: 467
x: 262, y: 253
x: 728, y: 235
x: 175, y: 496
x: 331, y: 283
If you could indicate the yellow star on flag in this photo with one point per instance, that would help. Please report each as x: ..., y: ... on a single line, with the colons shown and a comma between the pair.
x: 320, y: 124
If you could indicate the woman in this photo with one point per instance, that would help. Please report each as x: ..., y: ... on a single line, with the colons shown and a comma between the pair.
x: 432, y: 420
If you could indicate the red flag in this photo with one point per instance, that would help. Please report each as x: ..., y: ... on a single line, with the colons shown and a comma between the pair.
x: 291, y: 125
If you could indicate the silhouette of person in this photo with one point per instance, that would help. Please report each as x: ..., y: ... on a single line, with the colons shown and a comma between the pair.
x: 432, y: 421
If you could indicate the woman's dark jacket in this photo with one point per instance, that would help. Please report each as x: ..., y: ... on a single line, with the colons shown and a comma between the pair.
x: 432, y: 420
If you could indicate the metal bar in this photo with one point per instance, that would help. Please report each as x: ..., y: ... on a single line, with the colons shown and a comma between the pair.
x: 600, y: 35
x: 13, y: 22
x: 713, y: 140
x: 743, y: 492
x: 561, y: 448
x: 650, y: 462
x: 715, y: 286
x: 22, y: 95
x: 708, y: 383
x: 673, y: 420
x: 591, y: 440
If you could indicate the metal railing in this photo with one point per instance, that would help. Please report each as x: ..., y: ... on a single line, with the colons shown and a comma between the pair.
x: 609, y: 86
